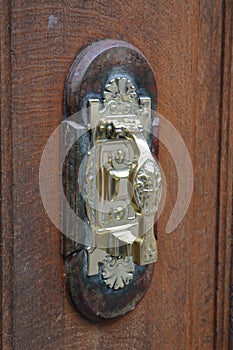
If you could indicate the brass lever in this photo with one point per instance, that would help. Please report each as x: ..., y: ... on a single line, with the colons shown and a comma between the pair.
x: 127, y: 177
x: 144, y: 186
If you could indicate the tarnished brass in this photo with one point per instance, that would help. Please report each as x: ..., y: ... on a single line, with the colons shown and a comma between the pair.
x: 123, y: 181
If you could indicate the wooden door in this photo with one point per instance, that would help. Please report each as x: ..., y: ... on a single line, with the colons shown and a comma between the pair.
x: 189, y: 45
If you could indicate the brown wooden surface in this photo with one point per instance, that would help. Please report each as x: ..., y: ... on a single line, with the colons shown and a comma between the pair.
x: 6, y: 180
x: 224, y: 209
x: 189, y: 47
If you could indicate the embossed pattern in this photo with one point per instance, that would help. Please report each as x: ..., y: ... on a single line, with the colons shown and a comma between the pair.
x: 148, y: 186
x: 117, y: 272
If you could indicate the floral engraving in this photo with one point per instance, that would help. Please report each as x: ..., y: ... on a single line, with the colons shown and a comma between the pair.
x: 120, y: 96
x: 148, y: 186
x: 117, y: 272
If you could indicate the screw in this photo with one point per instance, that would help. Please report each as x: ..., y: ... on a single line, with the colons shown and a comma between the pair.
x: 119, y: 156
x: 119, y: 213
x: 109, y: 130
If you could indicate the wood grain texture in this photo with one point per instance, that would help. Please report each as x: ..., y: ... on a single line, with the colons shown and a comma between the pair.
x: 6, y: 208
x: 228, y: 317
x: 183, y: 42
x: 224, y: 207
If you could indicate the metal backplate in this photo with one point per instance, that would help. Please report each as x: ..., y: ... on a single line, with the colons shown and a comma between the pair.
x: 103, y: 281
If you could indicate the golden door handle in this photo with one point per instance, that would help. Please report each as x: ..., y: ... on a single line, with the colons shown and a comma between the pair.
x: 111, y: 180
x: 144, y: 184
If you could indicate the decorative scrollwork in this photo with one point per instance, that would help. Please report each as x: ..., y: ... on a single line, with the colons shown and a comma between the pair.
x: 88, y: 192
x: 148, y: 186
x: 119, y: 90
x: 117, y: 272
x: 120, y: 96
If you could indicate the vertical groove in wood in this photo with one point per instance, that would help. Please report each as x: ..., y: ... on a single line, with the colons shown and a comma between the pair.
x: 229, y: 295
x: 195, y: 32
x: 206, y: 68
x: 224, y: 205
x: 6, y: 244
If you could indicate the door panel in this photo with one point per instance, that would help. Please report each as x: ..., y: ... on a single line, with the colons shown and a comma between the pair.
x: 189, y: 47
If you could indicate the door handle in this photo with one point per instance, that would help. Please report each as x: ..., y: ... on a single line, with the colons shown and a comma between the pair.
x: 119, y: 178
x: 142, y: 193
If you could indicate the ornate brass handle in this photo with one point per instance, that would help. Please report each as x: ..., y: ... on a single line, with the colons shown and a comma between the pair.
x: 144, y: 174
x: 119, y: 187
x: 144, y: 184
